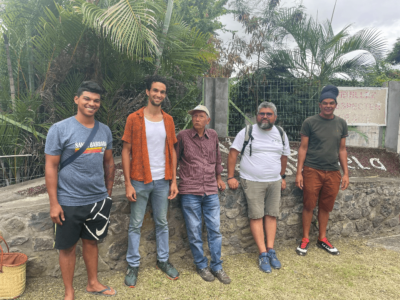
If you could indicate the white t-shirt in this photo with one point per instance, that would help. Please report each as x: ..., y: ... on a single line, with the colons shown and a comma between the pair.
x: 264, y: 164
x: 156, y: 135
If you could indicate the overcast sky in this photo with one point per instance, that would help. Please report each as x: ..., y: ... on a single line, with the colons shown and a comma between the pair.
x: 383, y: 15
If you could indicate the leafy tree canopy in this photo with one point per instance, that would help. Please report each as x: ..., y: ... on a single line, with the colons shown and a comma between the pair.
x: 260, y: 21
x: 202, y: 14
x: 380, y: 73
x: 394, y: 55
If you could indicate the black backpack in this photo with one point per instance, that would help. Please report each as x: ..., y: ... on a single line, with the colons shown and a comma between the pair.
x: 249, y: 137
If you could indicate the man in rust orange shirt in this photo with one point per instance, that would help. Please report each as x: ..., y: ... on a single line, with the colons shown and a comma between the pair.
x: 149, y: 165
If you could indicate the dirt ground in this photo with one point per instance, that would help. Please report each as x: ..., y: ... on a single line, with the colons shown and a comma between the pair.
x: 389, y: 159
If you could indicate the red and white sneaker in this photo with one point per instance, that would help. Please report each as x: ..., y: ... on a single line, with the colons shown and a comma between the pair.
x: 328, y: 247
x: 303, y: 247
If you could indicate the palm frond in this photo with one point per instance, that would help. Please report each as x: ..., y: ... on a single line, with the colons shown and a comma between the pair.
x: 129, y: 24
x: 367, y: 39
x: 185, y: 48
x: 321, y: 53
x: 56, y: 33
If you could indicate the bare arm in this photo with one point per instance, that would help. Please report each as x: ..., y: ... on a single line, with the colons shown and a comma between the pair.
x: 283, y: 169
x: 109, y: 170
x: 232, y: 158
x: 51, y: 178
x: 301, y: 157
x: 174, y: 188
x: 343, y: 163
x: 126, y: 167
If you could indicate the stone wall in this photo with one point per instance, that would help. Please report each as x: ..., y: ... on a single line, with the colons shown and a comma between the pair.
x: 370, y: 207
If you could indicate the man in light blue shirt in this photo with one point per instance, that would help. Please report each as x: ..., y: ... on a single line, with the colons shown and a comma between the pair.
x: 80, y: 191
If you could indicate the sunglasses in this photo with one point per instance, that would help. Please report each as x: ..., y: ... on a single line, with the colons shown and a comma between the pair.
x: 268, y: 114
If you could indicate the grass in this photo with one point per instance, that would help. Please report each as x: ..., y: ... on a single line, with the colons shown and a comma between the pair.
x: 359, y: 272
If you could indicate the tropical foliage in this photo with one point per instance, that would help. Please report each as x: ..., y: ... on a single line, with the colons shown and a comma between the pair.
x: 50, y: 46
x: 380, y: 73
x: 260, y: 20
x: 322, y: 54
x: 394, y: 55
x: 202, y: 14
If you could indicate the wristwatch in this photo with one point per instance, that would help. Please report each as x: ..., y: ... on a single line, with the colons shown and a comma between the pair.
x: 283, y: 176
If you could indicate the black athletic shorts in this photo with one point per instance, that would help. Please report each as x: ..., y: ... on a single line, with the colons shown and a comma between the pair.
x: 88, y: 222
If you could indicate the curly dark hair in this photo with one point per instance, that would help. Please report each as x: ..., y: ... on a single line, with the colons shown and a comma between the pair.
x: 155, y: 78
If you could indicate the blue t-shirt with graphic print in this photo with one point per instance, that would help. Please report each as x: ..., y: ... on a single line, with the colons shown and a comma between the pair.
x: 82, y: 181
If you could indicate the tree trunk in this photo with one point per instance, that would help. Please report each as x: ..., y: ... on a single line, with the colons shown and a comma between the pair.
x: 30, y: 66
x: 10, y: 72
x: 167, y: 20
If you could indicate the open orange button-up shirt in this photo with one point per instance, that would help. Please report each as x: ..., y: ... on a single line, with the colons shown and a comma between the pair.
x: 135, y: 134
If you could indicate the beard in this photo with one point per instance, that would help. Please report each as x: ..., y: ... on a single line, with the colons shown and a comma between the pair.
x: 265, y: 126
x: 155, y: 104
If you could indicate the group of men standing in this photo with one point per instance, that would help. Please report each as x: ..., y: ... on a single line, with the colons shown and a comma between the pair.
x: 80, y: 191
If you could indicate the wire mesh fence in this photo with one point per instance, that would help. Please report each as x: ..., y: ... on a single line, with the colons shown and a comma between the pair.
x: 295, y: 100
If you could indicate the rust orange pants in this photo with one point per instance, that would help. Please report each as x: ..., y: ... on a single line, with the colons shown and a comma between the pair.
x: 321, y: 186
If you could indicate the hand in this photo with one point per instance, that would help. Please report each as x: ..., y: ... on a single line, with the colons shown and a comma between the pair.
x: 57, y: 214
x: 233, y: 183
x: 130, y: 193
x: 283, y: 186
x: 221, y: 185
x: 345, y: 182
x: 299, y: 181
x: 173, y: 191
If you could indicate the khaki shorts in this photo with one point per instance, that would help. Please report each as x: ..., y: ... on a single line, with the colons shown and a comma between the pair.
x: 263, y: 198
x: 322, y: 186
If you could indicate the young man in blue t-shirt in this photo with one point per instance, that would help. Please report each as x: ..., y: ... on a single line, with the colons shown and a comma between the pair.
x: 80, y: 191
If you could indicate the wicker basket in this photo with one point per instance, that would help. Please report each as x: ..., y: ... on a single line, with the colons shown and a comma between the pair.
x: 12, y: 273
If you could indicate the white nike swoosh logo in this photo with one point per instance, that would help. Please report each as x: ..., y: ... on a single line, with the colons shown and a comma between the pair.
x: 100, y: 232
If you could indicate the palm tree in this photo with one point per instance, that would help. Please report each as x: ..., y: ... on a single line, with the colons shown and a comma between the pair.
x: 60, y: 43
x: 320, y: 53
x: 167, y: 20
x: 133, y: 29
x: 10, y: 71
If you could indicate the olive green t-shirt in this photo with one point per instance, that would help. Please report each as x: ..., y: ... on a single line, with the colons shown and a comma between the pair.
x: 324, y: 141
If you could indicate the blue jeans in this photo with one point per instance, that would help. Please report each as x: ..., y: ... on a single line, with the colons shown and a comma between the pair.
x: 192, y: 207
x: 157, y: 191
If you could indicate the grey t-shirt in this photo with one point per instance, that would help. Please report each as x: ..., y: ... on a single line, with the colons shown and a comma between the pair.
x: 82, y: 181
x: 324, y: 141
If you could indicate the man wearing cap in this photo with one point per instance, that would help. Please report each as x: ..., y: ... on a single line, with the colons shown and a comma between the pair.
x: 200, y: 170
x: 323, y: 144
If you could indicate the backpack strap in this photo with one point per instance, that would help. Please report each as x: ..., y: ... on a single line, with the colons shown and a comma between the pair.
x: 247, y: 137
x: 282, y: 133
x: 83, y: 148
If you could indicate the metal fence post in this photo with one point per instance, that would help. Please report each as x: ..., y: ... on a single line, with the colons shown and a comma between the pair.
x: 393, y: 117
x: 215, y: 97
